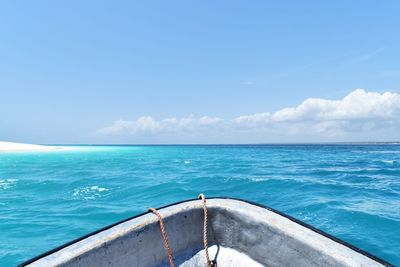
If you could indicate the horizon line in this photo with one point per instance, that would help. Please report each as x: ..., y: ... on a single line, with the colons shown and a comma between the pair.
x: 227, y: 144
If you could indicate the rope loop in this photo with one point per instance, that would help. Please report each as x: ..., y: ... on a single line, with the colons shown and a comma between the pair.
x: 164, y: 234
x: 205, y: 240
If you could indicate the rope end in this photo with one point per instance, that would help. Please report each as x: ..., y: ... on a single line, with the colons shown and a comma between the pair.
x: 201, y: 196
x: 151, y: 210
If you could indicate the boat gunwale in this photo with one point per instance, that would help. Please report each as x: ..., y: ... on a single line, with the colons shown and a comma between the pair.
x: 293, y: 219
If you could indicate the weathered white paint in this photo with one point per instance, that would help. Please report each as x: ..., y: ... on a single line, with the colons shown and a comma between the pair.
x: 244, y: 233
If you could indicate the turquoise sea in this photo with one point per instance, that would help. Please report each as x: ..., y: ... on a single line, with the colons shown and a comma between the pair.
x: 351, y: 191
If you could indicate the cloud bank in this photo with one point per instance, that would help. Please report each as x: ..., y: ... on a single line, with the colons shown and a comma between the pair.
x: 146, y: 125
x: 357, y: 114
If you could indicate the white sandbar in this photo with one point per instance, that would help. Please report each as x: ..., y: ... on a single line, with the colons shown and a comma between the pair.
x: 10, y: 146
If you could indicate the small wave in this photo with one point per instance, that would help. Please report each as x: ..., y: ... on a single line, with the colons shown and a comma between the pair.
x: 376, y: 151
x: 389, y: 161
x: 382, y: 186
x: 384, y: 152
x: 258, y: 179
x: 187, y: 162
x: 7, y: 183
x: 89, y: 192
x: 383, y: 209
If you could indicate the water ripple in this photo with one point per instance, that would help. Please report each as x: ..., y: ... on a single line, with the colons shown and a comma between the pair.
x: 350, y: 191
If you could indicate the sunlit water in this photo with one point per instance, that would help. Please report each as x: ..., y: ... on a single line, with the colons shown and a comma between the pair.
x: 49, y: 198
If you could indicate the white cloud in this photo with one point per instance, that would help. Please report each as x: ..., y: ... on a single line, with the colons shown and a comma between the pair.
x: 359, y: 104
x: 358, y: 112
x: 146, y: 125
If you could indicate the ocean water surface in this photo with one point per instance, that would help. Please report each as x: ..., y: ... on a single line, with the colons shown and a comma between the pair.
x: 49, y: 198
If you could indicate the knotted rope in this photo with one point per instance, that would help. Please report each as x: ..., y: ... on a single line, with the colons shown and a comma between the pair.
x: 205, y: 240
x: 164, y: 233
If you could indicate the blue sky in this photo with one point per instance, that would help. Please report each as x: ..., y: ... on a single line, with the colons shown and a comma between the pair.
x: 185, y: 71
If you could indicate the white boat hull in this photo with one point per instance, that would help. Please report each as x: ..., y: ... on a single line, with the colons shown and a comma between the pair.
x: 240, y: 234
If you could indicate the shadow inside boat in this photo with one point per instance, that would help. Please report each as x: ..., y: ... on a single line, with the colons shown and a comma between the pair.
x: 195, y: 257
